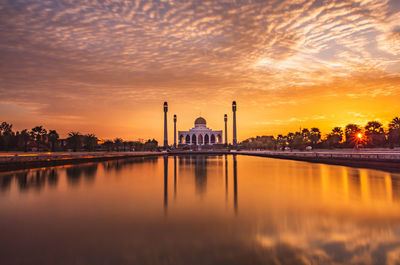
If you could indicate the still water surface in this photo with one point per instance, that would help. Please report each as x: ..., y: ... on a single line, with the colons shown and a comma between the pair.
x: 200, y: 210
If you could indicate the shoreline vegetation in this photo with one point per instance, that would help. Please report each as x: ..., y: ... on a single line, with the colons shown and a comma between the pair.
x: 371, y: 146
x: 40, y: 139
x: 372, y: 135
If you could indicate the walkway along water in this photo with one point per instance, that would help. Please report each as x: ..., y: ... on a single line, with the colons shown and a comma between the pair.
x: 381, y: 160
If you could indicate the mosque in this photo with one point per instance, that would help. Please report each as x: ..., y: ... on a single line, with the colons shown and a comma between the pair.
x: 200, y: 134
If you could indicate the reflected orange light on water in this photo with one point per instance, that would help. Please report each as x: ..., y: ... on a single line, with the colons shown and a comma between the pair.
x: 349, y: 191
x: 149, y: 205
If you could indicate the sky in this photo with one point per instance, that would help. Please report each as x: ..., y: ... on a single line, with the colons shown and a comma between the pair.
x: 106, y: 66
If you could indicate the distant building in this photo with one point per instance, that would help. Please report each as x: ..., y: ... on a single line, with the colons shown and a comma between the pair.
x: 200, y: 134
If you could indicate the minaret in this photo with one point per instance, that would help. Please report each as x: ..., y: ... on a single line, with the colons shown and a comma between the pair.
x: 226, y: 129
x: 165, y: 125
x: 234, y: 123
x: 174, y: 130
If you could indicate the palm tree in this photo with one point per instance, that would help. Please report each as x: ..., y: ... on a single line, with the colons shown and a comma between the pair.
x: 350, y: 132
x: 90, y: 141
x: 6, y: 133
x: 290, y: 139
x: 306, y: 135
x: 53, y: 137
x: 394, y: 124
x: 74, y: 140
x: 25, y: 137
x: 338, y: 132
x: 118, y: 142
x: 38, y: 134
x: 315, y: 136
x: 375, y: 134
x: 281, y: 140
x: 109, y: 144
x: 373, y: 127
x: 394, y: 132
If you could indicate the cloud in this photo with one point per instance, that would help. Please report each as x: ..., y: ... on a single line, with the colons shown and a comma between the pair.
x: 59, y: 52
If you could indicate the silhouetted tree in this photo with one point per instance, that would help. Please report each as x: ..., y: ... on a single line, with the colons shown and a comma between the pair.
x: 281, y: 141
x: 290, y: 139
x: 394, y: 132
x: 315, y: 136
x: 74, y: 140
x: 375, y: 134
x: 90, y: 141
x: 118, y: 142
x: 24, y: 138
x: 53, y: 138
x: 394, y: 124
x: 151, y: 145
x: 6, y: 134
x: 299, y: 141
x: 306, y: 136
x: 109, y: 145
x: 38, y: 134
x: 339, y: 133
x: 350, y: 131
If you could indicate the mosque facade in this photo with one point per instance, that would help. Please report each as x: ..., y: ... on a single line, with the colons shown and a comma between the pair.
x: 200, y: 134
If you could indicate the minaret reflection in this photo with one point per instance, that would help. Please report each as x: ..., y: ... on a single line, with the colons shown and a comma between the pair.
x: 174, y: 177
x: 226, y: 177
x: 165, y: 184
x: 235, y: 199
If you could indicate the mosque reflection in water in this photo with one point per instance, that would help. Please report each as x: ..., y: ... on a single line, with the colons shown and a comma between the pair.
x: 348, y: 183
x: 197, y: 166
x: 212, y: 209
x: 37, y: 179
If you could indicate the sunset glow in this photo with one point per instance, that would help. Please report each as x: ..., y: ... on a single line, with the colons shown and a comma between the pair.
x: 105, y: 67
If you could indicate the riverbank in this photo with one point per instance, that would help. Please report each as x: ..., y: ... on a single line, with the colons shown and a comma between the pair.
x: 15, y: 161
x: 386, y: 160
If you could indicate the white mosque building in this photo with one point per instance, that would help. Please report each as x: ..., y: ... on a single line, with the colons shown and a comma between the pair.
x: 200, y: 134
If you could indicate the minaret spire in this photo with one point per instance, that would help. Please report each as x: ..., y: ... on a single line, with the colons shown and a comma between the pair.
x: 165, y: 125
x: 175, y: 131
x: 234, y: 123
x: 226, y: 129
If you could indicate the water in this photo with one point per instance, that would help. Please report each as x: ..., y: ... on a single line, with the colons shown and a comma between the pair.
x: 200, y: 210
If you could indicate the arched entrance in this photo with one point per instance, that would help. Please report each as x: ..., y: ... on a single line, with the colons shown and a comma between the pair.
x: 200, y: 139
x: 194, y: 139
x: 187, y: 140
x: 181, y: 138
x: 212, y: 139
x: 219, y: 138
x: 206, y: 139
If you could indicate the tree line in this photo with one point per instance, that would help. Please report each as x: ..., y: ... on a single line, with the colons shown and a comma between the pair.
x: 373, y: 134
x: 40, y: 139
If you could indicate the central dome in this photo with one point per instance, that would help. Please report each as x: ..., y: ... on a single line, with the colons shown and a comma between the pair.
x: 200, y: 120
